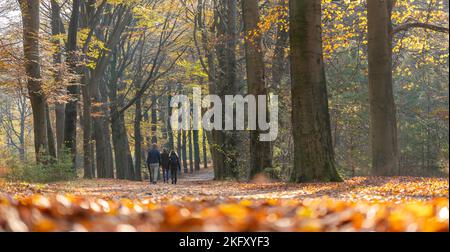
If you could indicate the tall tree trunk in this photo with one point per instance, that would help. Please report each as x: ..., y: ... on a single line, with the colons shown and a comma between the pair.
x: 260, y: 152
x: 204, y: 150
x: 179, y: 147
x: 196, y: 150
x: 162, y: 103
x: 154, y: 120
x: 138, y: 139
x: 131, y: 170
x: 121, y: 147
x: 58, y: 29
x: 100, y: 113
x: 100, y: 153
x: 278, y: 61
x: 100, y: 120
x: 50, y: 136
x: 212, y: 73
x: 314, y: 155
x: 106, y: 130
x: 87, y: 132
x: 383, y: 133
x: 230, y: 139
x: 93, y: 150
x: 170, y: 140
x: 179, y: 143
x: 183, y: 151
x: 30, y: 20
x: 70, y: 124
x: 226, y: 142
x: 23, y: 109
x: 108, y: 146
x: 88, y: 10
x: 231, y: 31
x: 217, y: 85
x: 122, y: 153
x: 59, y: 127
x: 191, y: 150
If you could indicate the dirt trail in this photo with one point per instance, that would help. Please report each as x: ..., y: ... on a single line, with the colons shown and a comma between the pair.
x: 199, y: 176
x: 198, y: 203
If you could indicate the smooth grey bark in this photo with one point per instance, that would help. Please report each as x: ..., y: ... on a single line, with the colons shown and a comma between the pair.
x: 383, y: 121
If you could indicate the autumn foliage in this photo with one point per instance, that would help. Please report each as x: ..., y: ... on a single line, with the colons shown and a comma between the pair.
x: 359, y: 204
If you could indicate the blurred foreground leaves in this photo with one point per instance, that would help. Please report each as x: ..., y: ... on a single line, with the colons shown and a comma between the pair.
x: 360, y: 204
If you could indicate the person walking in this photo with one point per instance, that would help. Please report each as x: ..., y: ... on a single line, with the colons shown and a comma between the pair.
x: 153, y: 163
x: 174, y: 163
x: 165, y: 165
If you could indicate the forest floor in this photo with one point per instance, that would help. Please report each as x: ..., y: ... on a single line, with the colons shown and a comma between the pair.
x: 197, y: 203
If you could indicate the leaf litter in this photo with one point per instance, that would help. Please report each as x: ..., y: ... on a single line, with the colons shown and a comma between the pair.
x: 360, y: 204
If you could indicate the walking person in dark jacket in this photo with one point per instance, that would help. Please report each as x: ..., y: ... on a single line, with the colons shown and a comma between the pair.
x: 153, y: 163
x: 174, y: 163
x: 165, y: 165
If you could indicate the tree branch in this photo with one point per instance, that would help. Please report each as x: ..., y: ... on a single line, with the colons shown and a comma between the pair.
x: 407, y: 26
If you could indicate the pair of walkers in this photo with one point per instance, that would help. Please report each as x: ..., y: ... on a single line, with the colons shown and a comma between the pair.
x: 169, y: 162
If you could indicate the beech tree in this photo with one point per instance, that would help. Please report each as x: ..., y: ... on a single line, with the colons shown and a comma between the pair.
x: 30, y: 22
x: 383, y: 130
x: 260, y: 152
x: 313, y: 148
x: 105, y: 71
x: 70, y: 131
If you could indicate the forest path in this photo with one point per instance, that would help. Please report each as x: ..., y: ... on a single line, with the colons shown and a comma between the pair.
x: 197, y: 176
x: 197, y: 203
x: 201, y: 185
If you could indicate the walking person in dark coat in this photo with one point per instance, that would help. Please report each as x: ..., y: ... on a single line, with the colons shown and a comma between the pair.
x: 165, y: 165
x: 174, y: 163
x: 153, y: 163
